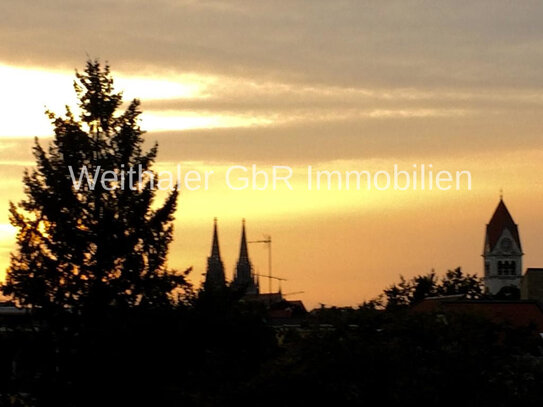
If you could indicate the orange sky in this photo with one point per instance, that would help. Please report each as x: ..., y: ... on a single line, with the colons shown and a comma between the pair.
x: 356, y: 86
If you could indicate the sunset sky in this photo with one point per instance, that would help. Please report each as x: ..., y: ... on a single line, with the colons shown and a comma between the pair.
x: 337, y: 85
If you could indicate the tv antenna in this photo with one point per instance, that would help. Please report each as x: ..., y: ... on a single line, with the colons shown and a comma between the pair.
x: 267, y: 241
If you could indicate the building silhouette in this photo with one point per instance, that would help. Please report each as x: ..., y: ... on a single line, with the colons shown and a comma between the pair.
x: 531, y: 287
x: 215, y: 279
x: 244, y: 276
x: 502, y: 252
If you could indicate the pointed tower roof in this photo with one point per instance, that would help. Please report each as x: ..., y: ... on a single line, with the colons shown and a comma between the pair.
x: 243, y: 252
x: 215, y: 268
x: 215, y: 251
x: 244, y: 276
x: 501, y: 220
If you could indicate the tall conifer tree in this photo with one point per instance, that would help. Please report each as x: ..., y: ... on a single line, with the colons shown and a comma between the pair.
x: 92, y: 247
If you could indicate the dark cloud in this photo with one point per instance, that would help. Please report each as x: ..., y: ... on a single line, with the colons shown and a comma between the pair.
x: 313, y: 137
x: 319, y: 69
x: 351, y: 139
x: 275, y: 101
x: 443, y: 44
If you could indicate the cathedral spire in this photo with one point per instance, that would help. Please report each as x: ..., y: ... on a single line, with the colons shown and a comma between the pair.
x: 244, y: 277
x: 215, y: 251
x: 215, y: 279
x: 243, y: 252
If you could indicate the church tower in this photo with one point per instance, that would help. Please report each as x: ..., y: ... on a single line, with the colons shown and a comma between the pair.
x: 502, y: 252
x: 244, y: 276
x: 215, y: 268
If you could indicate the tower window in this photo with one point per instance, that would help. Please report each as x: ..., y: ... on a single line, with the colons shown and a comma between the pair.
x: 506, y: 268
x: 512, y: 268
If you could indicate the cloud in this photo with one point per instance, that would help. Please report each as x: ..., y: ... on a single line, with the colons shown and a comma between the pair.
x: 350, y: 139
x: 297, y: 81
x: 456, y: 44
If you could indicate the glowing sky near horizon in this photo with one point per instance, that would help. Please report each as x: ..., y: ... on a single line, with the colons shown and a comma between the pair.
x: 350, y: 85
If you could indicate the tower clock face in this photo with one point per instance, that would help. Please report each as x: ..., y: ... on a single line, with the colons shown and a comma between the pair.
x: 506, y: 244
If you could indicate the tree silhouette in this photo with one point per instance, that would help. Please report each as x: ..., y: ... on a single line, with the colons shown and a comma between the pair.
x: 456, y: 282
x: 410, y: 292
x: 84, y: 246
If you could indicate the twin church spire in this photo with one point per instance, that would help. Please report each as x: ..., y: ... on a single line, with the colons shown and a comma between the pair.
x: 244, y: 277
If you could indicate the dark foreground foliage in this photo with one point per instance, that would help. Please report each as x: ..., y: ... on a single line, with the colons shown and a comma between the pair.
x: 220, y: 352
x: 405, y: 359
